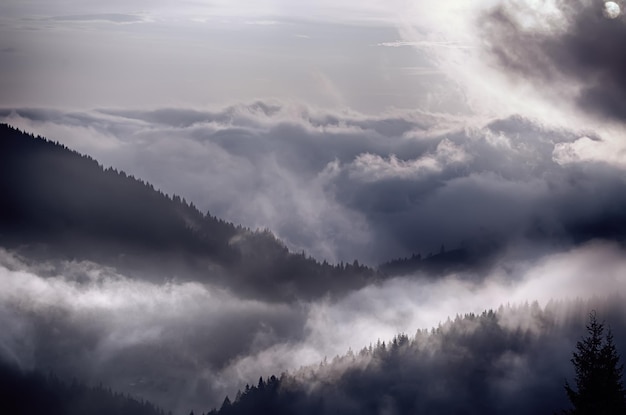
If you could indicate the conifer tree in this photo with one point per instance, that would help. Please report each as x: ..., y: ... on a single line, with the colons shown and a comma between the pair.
x: 599, y: 386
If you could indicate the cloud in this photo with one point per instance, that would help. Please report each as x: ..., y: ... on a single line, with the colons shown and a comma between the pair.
x: 513, y: 361
x: 118, y: 18
x: 573, y: 51
x: 373, y: 168
x: 262, y: 22
x: 519, y: 357
x: 423, y: 44
x: 336, y: 183
x: 78, y: 319
x: 243, y: 54
x: 186, y: 345
x: 345, y: 186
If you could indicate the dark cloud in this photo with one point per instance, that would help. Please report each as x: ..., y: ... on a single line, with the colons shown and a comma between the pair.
x: 578, y: 46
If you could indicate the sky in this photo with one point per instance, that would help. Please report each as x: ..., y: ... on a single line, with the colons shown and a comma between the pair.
x: 364, y: 130
x: 154, y: 54
x: 352, y: 130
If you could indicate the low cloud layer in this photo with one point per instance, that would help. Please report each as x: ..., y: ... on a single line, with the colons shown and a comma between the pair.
x: 188, y: 345
x: 345, y: 186
x: 166, y: 342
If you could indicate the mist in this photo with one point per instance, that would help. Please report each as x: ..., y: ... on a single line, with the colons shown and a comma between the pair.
x: 343, y: 186
x: 186, y: 345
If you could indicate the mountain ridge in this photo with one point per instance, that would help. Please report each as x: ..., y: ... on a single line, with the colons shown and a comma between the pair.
x: 57, y: 201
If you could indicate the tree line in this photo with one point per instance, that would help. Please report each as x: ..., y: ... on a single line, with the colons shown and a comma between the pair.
x: 31, y: 392
x: 57, y: 203
x: 464, y: 366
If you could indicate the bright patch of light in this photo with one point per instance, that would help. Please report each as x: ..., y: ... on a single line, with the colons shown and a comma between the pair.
x: 611, y: 10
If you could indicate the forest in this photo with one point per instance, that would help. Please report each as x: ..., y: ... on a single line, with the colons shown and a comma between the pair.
x: 473, y: 364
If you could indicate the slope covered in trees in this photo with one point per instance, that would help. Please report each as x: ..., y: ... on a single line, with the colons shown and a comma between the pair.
x: 512, y: 361
x: 58, y: 203
x: 455, y: 260
x: 28, y: 393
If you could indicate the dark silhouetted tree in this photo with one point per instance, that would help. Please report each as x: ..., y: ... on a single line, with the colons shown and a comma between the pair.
x: 599, y: 387
x: 31, y: 392
x: 226, y: 404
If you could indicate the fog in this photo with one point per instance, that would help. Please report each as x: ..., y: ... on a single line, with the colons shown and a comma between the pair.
x: 344, y: 186
x: 188, y: 345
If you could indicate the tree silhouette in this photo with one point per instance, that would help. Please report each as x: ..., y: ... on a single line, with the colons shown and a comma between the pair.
x: 32, y: 392
x: 599, y: 387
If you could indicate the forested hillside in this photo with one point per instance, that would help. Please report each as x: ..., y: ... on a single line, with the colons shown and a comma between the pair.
x: 31, y: 392
x: 57, y: 203
x: 511, y: 361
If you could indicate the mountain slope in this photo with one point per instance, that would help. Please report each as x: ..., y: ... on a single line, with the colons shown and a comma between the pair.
x: 514, y: 361
x: 58, y: 203
x: 33, y: 393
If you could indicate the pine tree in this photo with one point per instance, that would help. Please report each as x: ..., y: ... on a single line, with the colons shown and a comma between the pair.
x: 613, y: 370
x: 599, y: 387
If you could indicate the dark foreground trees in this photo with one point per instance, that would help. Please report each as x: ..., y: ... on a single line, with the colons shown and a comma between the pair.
x: 599, y: 386
x: 34, y: 393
